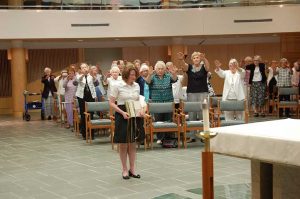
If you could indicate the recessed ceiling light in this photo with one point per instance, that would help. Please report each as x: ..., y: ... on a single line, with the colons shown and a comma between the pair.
x: 116, y: 39
x: 80, y: 40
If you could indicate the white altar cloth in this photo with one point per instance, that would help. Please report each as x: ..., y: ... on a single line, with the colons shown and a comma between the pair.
x: 275, y: 141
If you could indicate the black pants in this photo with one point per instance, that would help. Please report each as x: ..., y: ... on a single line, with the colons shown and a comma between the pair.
x: 81, y: 102
x: 272, y: 91
x: 287, y: 110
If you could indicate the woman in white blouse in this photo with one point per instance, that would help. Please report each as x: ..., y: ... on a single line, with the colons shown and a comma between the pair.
x: 127, y: 130
x: 113, y: 79
x: 233, y: 86
x: 85, y: 92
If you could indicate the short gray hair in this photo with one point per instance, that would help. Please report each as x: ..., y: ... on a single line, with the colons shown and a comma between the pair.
x: 232, y: 61
x: 160, y: 64
x: 169, y: 64
x: 115, y: 69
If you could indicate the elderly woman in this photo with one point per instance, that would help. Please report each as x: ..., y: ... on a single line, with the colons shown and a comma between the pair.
x: 127, y: 130
x: 233, y: 86
x: 70, y: 91
x: 48, y: 92
x: 100, y: 92
x: 257, y: 81
x: 59, y: 80
x: 113, y: 78
x: 160, y: 84
x: 197, y: 87
x: 85, y: 92
x: 141, y: 80
x: 284, y: 73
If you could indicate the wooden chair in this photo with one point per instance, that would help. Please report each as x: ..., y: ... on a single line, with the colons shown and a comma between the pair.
x: 188, y: 125
x: 76, y: 116
x: 293, y: 92
x: 162, y: 127
x: 232, y: 106
x: 213, y: 110
x: 99, y: 123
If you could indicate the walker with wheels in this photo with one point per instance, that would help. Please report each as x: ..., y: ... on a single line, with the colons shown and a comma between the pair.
x: 32, y: 105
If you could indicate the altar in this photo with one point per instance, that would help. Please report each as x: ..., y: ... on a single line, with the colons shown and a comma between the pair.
x: 274, y: 150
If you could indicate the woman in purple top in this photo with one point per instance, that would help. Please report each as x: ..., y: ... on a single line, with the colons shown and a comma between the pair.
x: 70, y: 91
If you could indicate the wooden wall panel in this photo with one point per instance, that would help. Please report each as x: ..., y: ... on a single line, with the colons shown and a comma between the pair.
x: 268, y: 52
x: 5, y: 75
x: 132, y: 53
x: 157, y: 53
x: 290, y: 46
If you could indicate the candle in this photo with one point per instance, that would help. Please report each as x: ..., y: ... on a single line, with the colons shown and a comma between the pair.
x: 205, y: 116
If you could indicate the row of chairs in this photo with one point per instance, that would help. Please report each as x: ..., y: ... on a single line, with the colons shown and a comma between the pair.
x: 275, y: 103
x: 179, y: 125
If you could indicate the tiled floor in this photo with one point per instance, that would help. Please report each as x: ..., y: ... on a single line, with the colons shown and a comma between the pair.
x: 39, y: 159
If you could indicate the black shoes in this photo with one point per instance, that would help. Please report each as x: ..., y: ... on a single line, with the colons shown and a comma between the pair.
x: 134, y: 176
x: 49, y: 118
x: 127, y: 177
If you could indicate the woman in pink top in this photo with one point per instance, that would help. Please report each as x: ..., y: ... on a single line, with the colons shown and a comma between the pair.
x: 70, y: 91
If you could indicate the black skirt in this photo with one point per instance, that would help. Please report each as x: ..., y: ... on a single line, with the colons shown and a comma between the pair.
x: 128, y: 131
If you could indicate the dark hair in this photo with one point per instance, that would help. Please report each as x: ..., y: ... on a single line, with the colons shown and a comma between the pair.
x: 126, y: 72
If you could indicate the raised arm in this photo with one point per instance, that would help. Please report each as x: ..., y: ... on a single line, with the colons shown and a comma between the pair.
x: 218, y: 69
x: 182, y: 63
x: 206, y: 62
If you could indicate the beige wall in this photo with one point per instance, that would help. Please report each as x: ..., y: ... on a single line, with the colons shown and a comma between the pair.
x: 53, y: 24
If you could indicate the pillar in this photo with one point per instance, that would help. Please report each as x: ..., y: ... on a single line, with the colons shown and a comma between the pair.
x: 18, y: 76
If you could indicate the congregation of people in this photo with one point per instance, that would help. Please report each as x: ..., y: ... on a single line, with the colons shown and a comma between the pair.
x: 250, y: 79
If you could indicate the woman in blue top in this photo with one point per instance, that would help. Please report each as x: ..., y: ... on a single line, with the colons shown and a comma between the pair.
x: 141, y: 80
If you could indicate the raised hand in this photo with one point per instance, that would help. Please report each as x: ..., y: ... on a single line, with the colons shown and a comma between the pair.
x: 202, y: 56
x: 180, y: 55
x: 218, y: 64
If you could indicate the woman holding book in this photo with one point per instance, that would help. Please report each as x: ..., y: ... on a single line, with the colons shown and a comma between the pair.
x: 128, y: 129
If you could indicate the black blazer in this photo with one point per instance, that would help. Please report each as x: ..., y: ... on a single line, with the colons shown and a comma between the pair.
x: 48, y: 86
x: 262, y: 68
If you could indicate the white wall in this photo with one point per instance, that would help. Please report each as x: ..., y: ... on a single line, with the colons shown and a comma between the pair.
x: 51, y: 24
x: 102, y: 56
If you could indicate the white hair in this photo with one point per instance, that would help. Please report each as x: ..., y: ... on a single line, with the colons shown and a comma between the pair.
x: 233, y: 61
x: 169, y: 64
x: 114, y: 69
x: 160, y: 64
x: 84, y: 64
x: 47, y: 69
x: 144, y: 67
x: 283, y: 60
x: 93, y: 67
x: 195, y: 54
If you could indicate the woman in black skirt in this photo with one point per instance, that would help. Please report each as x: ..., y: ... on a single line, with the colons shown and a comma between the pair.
x: 127, y: 130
